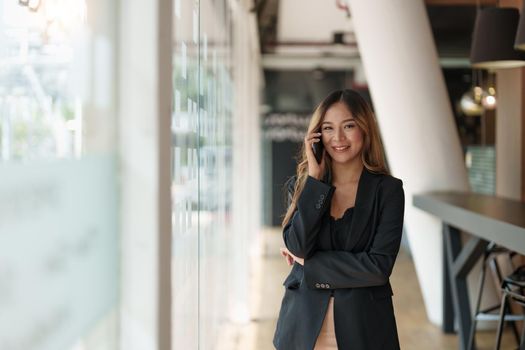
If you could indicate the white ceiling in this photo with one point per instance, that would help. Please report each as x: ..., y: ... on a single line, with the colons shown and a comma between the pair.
x: 310, y: 20
x: 305, y: 27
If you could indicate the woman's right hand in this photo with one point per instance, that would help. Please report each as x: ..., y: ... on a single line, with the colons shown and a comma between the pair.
x: 286, y: 256
x: 315, y: 169
x: 290, y: 258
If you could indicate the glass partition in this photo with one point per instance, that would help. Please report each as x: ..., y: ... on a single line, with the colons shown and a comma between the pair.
x: 185, y: 175
x: 201, y: 177
x: 58, y: 189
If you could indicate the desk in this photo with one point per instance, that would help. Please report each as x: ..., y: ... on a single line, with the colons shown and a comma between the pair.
x: 486, y: 218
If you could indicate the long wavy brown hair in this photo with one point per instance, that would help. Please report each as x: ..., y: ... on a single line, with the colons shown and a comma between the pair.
x: 372, y: 154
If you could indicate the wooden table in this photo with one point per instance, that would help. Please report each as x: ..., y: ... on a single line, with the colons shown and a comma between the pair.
x: 487, y: 218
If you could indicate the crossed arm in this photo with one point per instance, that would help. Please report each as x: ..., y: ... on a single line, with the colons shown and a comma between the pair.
x: 343, y: 269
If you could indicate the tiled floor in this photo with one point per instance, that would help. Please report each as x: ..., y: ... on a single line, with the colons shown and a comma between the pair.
x: 415, y: 332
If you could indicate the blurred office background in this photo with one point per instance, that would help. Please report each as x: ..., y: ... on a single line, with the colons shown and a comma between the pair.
x: 144, y: 145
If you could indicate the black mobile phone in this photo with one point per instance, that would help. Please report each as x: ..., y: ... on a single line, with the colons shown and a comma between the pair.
x: 318, y: 150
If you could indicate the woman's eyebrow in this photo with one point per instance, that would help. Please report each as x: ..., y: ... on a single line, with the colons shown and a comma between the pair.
x: 346, y: 120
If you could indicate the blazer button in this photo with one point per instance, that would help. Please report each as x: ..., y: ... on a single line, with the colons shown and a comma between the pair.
x: 317, y: 285
x: 318, y: 206
x: 327, y: 285
x: 322, y: 196
x: 322, y: 285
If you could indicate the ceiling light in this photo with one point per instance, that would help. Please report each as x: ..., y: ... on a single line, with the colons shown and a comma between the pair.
x: 519, y: 44
x: 470, y: 102
x: 34, y: 5
x: 493, y: 39
x: 489, y: 100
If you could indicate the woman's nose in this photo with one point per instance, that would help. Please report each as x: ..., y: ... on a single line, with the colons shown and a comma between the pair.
x: 339, y: 135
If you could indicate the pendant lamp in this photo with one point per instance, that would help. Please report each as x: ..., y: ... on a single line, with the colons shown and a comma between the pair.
x: 519, y: 44
x: 493, y: 39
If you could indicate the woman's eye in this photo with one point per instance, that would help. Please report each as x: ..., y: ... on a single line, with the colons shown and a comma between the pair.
x: 349, y: 125
x: 326, y: 128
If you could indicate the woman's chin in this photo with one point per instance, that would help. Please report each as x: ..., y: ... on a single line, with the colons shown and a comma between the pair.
x: 342, y: 159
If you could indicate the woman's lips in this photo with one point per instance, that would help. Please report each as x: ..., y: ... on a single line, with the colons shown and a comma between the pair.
x: 341, y: 149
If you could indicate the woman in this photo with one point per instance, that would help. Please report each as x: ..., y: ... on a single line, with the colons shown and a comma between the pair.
x: 342, y: 232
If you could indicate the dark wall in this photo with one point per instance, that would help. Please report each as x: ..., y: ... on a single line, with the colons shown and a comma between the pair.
x: 284, y: 166
x: 291, y: 92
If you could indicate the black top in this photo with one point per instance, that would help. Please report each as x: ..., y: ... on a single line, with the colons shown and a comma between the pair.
x: 340, y: 228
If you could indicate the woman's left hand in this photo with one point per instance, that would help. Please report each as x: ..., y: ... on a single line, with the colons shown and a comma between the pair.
x: 290, y: 257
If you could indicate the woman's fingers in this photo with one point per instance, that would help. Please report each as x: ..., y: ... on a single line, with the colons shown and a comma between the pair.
x: 309, y: 140
x: 312, y: 138
x: 287, y: 255
x: 314, y: 169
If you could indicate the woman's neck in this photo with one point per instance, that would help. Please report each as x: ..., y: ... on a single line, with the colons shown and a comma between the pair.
x: 347, y: 173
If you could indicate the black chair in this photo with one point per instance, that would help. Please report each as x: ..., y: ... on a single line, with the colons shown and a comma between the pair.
x: 512, y: 288
x: 490, y: 261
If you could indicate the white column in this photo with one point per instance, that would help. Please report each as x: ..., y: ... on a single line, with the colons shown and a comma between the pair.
x: 145, y: 144
x: 416, y: 122
x: 508, y: 132
x: 96, y: 65
x: 246, y: 152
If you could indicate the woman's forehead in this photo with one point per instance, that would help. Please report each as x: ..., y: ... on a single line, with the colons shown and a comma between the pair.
x: 338, y: 118
x: 338, y: 112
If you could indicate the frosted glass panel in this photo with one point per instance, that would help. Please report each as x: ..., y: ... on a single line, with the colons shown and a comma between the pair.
x: 58, y: 216
x: 58, y: 251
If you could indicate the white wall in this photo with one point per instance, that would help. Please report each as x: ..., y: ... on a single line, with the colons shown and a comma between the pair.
x: 509, y: 128
x: 298, y: 21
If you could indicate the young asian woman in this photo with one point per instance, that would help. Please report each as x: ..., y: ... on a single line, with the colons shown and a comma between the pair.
x: 342, y: 232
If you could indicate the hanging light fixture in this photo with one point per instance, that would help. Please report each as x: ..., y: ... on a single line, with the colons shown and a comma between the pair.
x: 493, y: 39
x: 489, y: 99
x: 519, y: 44
x: 33, y: 5
x: 470, y: 102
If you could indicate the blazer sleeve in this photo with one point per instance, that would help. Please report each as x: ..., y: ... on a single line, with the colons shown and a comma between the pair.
x: 300, y: 234
x: 342, y: 269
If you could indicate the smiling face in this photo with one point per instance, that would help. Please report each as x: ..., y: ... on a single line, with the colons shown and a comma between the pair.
x: 341, y: 136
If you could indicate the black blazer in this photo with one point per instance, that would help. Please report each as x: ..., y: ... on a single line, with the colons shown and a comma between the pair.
x: 357, y: 277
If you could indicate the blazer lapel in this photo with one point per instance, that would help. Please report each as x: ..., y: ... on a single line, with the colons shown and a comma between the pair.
x: 364, y: 202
